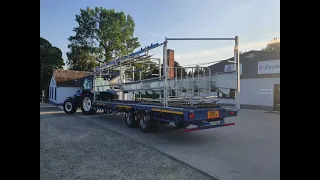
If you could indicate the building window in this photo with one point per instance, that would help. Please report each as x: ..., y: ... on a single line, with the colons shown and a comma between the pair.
x: 55, y: 93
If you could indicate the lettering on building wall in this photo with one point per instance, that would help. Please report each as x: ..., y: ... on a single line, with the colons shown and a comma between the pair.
x: 269, y: 67
x: 249, y: 56
x: 265, y: 91
x: 232, y: 67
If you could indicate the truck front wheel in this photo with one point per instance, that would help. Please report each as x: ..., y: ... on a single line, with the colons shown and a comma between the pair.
x: 69, y: 106
x: 86, y: 105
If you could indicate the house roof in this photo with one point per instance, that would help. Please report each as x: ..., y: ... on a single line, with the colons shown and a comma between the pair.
x: 68, y: 77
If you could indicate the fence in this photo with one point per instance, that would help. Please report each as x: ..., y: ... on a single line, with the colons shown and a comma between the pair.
x: 43, y: 99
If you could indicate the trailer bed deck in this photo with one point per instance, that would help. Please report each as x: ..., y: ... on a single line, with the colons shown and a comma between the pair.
x: 204, y: 116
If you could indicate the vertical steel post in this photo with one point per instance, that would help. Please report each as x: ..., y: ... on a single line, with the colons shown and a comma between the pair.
x: 237, y: 61
x: 176, y: 77
x: 94, y: 84
x: 100, y: 70
x: 140, y: 74
x: 159, y: 61
x: 181, y: 76
x: 120, y: 72
x: 165, y: 73
x: 133, y: 93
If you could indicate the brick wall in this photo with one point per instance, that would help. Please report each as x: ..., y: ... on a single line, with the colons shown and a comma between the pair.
x: 170, y: 55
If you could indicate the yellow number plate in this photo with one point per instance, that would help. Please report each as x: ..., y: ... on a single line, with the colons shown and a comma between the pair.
x: 213, y: 114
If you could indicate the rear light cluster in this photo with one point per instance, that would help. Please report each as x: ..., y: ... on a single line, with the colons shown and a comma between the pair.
x: 232, y: 113
x: 191, y: 115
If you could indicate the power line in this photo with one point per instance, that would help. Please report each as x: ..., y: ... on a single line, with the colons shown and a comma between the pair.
x: 204, y: 63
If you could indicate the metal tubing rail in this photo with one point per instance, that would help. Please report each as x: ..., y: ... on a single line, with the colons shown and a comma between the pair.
x: 199, y: 39
x: 132, y: 82
x: 236, y: 60
x: 118, y: 64
x: 136, y: 57
x: 131, y: 56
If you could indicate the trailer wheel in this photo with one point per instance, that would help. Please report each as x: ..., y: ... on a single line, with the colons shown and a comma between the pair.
x: 105, y: 110
x: 69, y: 106
x: 181, y: 125
x: 86, y: 105
x: 130, y: 119
x: 146, y: 124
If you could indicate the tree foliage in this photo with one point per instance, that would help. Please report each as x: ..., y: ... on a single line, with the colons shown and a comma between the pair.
x: 180, y: 71
x: 198, y: 72
x: 273, y: 45
x: 102, y: 34
x: 50, y: 59
x: 80, y: 59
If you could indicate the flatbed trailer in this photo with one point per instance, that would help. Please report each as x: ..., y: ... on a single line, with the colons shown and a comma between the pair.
x: 190, y: 104
x: 182, y: 116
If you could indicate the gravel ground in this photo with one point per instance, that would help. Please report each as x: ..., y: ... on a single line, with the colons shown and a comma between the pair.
x: 250, y: 150
x: 74, y: 148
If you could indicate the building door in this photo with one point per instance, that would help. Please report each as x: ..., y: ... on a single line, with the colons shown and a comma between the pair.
x: 276, y: 97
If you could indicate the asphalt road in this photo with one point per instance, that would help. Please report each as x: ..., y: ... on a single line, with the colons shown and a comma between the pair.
x: 72, y: 147
x: 248, y: 151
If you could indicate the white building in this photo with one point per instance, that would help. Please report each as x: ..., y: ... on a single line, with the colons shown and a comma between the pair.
x: 259, y: 80
x: 65, y: 83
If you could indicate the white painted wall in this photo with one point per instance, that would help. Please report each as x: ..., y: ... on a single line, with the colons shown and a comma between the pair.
x: 52, y: 88
x: 64, y: 92
x: 253, y: 91
x: 258, y: 91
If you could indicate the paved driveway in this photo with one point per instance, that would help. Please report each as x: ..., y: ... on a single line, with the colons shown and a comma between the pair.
x: 248, y: 151
x: 72, y: 147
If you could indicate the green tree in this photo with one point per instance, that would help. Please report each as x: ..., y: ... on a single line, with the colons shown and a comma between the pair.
x: 50, y: 59
x: 102, y: 33
x: 273, y: 45
x: 181, y: 72
x: 147, y: 68
x: 198, y: 71
x: 80, y: 59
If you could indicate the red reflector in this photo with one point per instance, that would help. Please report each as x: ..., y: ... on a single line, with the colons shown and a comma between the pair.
x: 191, y: 116
x: 231, y: 113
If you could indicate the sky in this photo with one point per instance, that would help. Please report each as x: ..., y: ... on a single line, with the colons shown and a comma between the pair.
x: 256, y: 22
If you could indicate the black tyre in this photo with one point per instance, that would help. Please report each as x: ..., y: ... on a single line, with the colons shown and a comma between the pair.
x: 69, y: 106
x: 146, y: 124
x: 105, y: 110
x: 86, y: 104
x: 181, y: 125
x: 130, y: 119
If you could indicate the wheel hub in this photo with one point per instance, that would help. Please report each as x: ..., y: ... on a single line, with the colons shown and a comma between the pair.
x: 128, y: 117
x: 68, y: 106
x: 86, y: 104
x: 144, y: 120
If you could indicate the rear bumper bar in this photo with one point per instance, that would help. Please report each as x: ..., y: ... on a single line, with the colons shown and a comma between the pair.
x: 207, y: 127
